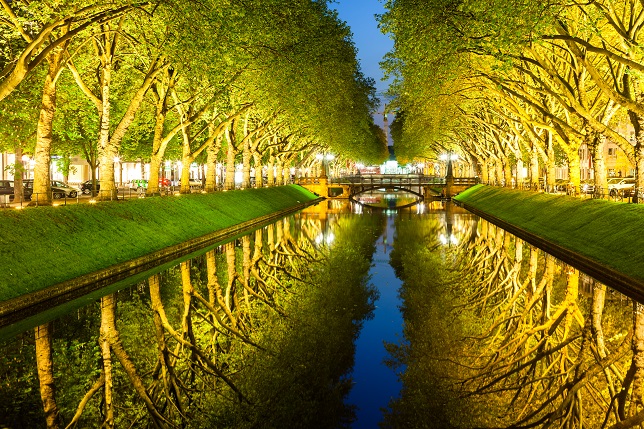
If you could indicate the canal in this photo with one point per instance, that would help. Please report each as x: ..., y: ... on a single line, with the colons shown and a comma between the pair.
x: 428, y: 317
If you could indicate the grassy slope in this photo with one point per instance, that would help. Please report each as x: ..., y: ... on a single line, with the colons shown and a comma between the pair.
x: 46, y: 245
x: 608, y: 232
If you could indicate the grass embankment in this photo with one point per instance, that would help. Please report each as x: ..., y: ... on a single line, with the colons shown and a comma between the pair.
x: 608, y: 232
x: 44, y: 246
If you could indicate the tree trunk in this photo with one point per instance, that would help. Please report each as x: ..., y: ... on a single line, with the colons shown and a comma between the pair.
x: 211, y: 165
x: 534, y: 169
x: 520, y: 177
x: 186, y: 162
x: 498, y: 173
x: 574, y: 172
x: 107, y: 303
x: 638, y: 126
x: 246, y: 155
x: 230, y: 167
x: 246, y: 264
x: 45, y: 365
x: 485, y: 172
x: 599, y: 164
x: 637, y: 396
x: 158, y: 146
x: 18, y: 172
x: 106, y: 151
x: 232, y: 275
x: 259, y: 177
x: 44, y: 132
x: 507, y: 173
x: 270, y: 174
x: 110, y: 335
x: 550, y: 166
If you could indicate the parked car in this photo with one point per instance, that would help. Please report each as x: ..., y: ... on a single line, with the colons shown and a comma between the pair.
x: 87, y: 186
x: 143, y: 184
x: 588, y: 187
x: 561, y: 185
x: 619, y: 186
x: 7, y: 188
x: 69, y: 191
x: 57, y: 191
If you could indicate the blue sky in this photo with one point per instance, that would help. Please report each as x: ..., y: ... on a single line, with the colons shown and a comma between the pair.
x: 371, y: 43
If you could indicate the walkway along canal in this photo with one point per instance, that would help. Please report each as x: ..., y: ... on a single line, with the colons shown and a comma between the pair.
x: 261, y: 332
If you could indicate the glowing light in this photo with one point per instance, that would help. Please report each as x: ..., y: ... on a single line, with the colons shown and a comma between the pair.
x: 446, y: 156
x: 325, y: 239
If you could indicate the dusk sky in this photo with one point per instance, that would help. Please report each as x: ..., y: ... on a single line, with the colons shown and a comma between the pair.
x: 371, y: 43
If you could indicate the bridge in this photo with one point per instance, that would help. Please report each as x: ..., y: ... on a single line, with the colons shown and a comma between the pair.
x: 419, y: 184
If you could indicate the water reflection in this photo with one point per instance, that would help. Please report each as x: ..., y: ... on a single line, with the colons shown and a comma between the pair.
x: 387, y: 198
x: 255, y: 333
x: 500, y: 335
x: 260, y: 333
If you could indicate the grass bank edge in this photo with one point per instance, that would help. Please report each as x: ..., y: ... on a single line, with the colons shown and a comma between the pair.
x: 44, y: 246
x: 608, y: 232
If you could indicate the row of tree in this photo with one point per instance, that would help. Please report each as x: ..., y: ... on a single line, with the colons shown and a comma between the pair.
x: 500, y: 335
x: 261, y: 83
x: 521, y: 83
x: 256, y: 333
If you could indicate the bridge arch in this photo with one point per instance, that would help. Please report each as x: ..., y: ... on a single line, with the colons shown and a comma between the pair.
x: 420, y: 196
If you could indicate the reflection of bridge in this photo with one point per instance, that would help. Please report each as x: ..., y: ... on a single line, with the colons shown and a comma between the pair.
x: 419, y: 184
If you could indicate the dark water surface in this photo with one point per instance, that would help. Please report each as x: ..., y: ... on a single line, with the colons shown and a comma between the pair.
x: 375, y: 384
x: 324, y: 319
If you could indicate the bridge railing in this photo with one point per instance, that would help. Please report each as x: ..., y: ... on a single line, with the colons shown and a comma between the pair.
x: 401, y: 179
x: 388, y: 179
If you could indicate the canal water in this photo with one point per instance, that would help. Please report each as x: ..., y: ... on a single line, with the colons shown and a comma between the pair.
x: 375, y: 384
x: 428, y: 317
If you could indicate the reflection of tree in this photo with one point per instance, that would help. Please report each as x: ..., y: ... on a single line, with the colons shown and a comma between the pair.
x: 45, y: 365
x: 520, y: 346
x: 255, y: 333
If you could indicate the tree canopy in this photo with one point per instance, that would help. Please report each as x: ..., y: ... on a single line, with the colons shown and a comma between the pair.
x: 263, y: 83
